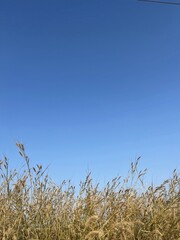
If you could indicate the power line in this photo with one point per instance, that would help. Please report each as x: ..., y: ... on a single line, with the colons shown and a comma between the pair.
x: 161, y: 2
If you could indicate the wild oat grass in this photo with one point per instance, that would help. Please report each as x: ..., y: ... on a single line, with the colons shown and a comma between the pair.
x: 32, y: 207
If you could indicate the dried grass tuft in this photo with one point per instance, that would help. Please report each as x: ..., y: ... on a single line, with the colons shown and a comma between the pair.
x: 32, y: 207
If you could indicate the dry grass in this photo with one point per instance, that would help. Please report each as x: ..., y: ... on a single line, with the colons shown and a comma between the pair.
x: 32, y: 207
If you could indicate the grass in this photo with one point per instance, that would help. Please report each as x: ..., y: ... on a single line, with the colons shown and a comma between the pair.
x: 32, y: 207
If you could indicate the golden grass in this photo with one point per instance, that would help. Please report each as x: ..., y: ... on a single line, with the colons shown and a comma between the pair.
x: 32, y: 207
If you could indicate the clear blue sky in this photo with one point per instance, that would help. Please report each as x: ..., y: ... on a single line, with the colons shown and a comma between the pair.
x: 90, y: 85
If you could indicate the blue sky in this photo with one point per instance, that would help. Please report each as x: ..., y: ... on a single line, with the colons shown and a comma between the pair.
x: 91, y: 85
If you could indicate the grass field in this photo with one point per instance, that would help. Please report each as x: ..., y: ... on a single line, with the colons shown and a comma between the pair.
x: 33, y: 207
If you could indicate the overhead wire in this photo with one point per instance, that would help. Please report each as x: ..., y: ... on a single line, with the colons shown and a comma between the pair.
x: 160, y: 2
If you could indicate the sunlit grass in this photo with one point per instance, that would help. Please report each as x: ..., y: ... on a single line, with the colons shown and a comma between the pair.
x: 33, y: 207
